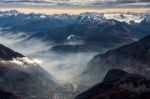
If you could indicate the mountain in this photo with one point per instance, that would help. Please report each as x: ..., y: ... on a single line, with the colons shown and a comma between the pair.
x: 133, y: 58
x: 86, y: 31
x: 93, y: 39
x: 8, y: 54
x: 97, y: 18
x: 24, y: 77
x: 48, y: 24
x: 118, y: 84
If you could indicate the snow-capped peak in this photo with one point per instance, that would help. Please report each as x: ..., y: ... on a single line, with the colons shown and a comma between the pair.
x: 124, y: 17
x: 128, y: 17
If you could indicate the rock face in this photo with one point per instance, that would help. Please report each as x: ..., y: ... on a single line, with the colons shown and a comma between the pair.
x: 118, y: 84
x: 134, y: 57
x: 27, y: 80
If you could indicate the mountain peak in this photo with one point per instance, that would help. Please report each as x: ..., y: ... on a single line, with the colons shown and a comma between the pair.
x: 8, y: 54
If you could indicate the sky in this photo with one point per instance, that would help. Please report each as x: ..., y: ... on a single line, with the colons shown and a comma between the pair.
x: 74, y: 6
x: 83, y: 1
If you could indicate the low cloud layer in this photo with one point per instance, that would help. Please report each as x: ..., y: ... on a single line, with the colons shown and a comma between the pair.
x: 62, y: 68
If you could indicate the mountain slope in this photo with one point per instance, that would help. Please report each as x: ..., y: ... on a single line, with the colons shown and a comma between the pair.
x: 133, y: 57
x: 8, y: 54
x: 118, y: 84
x: 5, y: 93
x: 26, y: 79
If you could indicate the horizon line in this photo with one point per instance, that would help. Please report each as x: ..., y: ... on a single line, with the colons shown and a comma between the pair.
x: 75, y: 11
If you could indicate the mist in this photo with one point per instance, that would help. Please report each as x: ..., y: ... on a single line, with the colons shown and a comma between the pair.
x: 64, y: 67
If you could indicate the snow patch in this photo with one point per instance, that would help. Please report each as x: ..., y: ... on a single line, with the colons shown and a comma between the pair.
x: 70, y: 37
x: 43, y: 16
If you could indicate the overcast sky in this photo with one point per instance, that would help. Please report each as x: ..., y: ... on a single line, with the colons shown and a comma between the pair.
x: 74, y: 6
x: 87, y: 2
x: 84, y: 2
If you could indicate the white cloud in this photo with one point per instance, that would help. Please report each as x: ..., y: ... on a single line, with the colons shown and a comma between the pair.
x: 23, y: 61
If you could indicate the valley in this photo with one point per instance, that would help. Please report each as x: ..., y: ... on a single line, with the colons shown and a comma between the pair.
x: 61, y: 56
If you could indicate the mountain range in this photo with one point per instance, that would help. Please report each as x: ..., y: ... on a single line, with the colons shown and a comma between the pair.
x: 87, y: 30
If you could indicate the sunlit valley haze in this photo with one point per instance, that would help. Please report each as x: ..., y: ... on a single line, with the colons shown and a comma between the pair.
x: 74, y: 49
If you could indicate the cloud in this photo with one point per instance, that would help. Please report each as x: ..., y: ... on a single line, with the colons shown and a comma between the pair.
x: 75, y: 3
x: 65, y: 68
x: 81, y: 2
x: 26, y: 60
x: 95, y: 2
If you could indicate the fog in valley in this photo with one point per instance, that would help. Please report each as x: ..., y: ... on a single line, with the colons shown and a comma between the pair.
x: 63, y: 66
